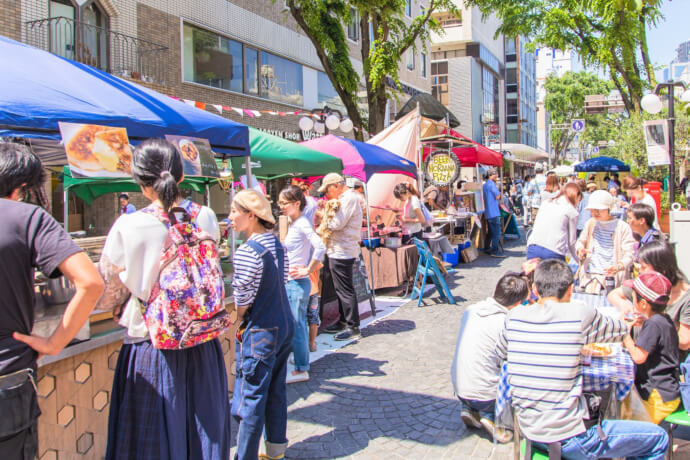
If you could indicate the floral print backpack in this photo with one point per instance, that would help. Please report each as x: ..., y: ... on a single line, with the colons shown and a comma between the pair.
x: 186, y: 305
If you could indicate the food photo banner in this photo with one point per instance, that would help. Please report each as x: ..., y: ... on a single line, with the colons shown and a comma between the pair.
x: 97, y: 151
x: 197, y: 156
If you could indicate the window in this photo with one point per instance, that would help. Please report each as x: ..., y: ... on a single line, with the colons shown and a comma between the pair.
x: 408, y: 8
x: 281, y: 79
x: 423, y: 64
x: 490, y: 96
x: 79, y: 32
x: 353, y: 26
x: 410, y: 60
x: 439, y: 82
x: 511, y: 80
x: 327, y: 94
x: 215, y: 60
x: 251, y: 71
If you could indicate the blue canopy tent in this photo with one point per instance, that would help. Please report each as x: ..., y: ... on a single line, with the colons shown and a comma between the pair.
x: 602, y: 164
x: 39, y: 89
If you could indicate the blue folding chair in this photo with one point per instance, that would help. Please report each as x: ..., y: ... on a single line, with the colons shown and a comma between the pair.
x: 427, y: 268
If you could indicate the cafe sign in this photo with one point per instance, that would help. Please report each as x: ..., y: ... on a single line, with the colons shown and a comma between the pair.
x: 442, y: 168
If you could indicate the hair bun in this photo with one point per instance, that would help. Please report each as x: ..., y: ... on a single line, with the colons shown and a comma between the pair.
x: 165, y: 174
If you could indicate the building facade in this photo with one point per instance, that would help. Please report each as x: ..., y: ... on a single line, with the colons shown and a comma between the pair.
x: 467, y: 71
x: 243, y: 54
x: 521, y: 93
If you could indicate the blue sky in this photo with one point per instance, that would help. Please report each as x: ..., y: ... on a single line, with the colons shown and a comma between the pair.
x: 669, y: 32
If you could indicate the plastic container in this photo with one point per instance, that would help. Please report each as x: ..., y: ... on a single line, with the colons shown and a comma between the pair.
x: 372, y: 244
x: 452, y: 259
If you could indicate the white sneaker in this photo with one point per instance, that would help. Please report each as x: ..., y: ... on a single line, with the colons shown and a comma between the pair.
x: 298, y: 377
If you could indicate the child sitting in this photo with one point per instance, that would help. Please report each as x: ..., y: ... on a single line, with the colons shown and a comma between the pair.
x: 475, y: 367
x: 656, y: 349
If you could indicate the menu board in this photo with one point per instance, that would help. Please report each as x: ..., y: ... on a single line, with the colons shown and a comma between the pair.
x: 97, y: 151
x: 197, y: 156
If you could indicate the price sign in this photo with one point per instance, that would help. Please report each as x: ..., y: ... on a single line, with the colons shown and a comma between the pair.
x: 442, y: 168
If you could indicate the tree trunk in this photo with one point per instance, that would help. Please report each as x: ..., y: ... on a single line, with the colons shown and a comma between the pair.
x: 377, y: 109
x: 644, y: 49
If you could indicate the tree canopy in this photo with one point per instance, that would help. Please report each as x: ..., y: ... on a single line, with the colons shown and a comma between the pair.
x: 385, y: 36
x: 610, y: 34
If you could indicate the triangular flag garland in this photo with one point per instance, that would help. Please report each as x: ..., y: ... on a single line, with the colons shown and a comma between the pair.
x: 251, y: 113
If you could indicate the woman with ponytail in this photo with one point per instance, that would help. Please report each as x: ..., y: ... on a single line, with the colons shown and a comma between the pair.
x: 413, y: 219
x: 165, y: 403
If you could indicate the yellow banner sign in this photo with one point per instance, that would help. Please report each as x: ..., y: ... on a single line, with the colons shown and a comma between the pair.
x: 442, y: 168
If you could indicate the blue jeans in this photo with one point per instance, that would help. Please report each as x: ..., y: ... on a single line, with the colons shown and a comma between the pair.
x: 298, y: 296
x: 494, y: 234
x: 534, y: 251
x: 486, y: 409
x: 626, y: 439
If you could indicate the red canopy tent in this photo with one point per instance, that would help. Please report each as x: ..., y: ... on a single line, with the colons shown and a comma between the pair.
x: 469, y: 156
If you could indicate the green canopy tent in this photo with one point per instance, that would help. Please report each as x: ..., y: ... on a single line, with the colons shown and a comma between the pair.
x: 90, y: 188
x: 273, y: 157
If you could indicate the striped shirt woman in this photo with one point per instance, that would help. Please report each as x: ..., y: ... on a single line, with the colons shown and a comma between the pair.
x: 249, y: 267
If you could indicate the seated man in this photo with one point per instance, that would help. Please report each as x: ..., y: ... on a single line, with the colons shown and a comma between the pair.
x: 542, y: 344
x: 641, y: 220
x: 475, y: 368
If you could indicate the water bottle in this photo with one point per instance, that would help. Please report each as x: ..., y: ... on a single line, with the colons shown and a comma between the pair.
x: 609, y: 284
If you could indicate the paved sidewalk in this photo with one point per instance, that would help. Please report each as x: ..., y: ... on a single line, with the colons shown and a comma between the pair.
x: 389, y: 394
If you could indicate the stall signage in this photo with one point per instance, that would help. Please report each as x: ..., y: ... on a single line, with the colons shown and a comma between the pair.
x: 197, y: 156
x: 442, y: 168
x: 96, y: 151
x: 656, y: 139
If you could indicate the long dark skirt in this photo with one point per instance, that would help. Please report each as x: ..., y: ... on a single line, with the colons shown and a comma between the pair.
x: 169, y: 404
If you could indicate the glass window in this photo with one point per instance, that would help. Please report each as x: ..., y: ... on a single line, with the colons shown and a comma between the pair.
x: 439, y: 82
x: 353, y: 26
x: 251, y: 71
x: 327, y: 94
x: 216, y: 60
x: 423, y: 64
x: 410, y: 60
x: 281, y: 79
x: 408, y: 8
x: 490, y: 96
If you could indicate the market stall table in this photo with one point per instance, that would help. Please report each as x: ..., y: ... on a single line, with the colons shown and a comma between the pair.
x: 393, y: 267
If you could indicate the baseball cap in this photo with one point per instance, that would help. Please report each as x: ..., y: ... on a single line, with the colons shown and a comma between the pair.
x: 330, y: 179
x: 255, y: 202
x: 600, y: 199
x: 651, y: 286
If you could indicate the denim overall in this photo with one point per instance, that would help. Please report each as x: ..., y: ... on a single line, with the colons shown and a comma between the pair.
x: 259, y: 397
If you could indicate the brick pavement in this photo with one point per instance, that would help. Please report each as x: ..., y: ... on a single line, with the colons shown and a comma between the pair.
x: 389, y: 394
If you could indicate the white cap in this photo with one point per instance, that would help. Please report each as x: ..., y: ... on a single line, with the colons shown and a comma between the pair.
x: 600, y: 199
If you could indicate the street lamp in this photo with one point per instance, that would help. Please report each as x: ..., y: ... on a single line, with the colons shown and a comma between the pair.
x: 651, y: 103
x: 320, y: 120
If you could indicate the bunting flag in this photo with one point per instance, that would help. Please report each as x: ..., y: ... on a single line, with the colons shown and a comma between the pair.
x: 251, y: 113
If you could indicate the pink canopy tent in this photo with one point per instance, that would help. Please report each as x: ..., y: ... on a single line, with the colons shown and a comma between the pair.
x: 471, y: 156
x: 362, y: 160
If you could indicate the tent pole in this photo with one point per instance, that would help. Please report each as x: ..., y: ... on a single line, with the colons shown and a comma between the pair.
x: 231, y: 232
x: 208, y: 196
x: 371, y: 257
x: 65, y: 209
x: 420, y: 153
x: 248, y: 170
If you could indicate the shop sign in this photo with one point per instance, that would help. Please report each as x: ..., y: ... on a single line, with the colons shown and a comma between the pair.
x: 442, y: 168
x: 289, y: 135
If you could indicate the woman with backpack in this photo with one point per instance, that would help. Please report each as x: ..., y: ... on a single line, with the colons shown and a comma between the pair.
x: 169, y: 397
x: 264, y: 338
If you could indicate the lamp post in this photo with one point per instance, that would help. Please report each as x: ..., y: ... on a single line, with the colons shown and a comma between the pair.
x: 652, y: 104
x: 327, y: 119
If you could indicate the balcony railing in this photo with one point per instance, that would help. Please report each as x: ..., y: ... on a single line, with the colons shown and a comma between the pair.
x: 113, y: 52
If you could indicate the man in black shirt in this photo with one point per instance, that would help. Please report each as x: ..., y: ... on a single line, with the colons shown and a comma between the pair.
x: 31, y: 239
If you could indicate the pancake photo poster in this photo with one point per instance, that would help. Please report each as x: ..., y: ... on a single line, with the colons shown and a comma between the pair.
x: 97, y: 151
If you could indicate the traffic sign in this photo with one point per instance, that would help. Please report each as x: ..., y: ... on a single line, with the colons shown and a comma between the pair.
x: 595, y: 150
x: 493, y: 128
x: 578, y: 125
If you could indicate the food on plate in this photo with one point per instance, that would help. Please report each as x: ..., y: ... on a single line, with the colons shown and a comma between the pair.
x: 189, y: 150
x: 80, y: 147
x: 599, y: 349
x: 112, y: 150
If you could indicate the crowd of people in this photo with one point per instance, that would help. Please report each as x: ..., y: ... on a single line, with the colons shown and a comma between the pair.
x: 169, y: 394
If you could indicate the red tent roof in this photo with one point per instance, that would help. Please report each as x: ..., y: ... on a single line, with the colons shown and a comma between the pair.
x: 470, y: 156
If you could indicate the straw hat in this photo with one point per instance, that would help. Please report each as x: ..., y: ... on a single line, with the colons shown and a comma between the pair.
x: 255, y: 202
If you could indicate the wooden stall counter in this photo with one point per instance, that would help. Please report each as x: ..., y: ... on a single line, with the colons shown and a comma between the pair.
x: 74, y: 392
x: 392, y: 267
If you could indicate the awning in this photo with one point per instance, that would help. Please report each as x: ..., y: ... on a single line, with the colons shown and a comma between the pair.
x: 523, y: 152
x: 39, y: 89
